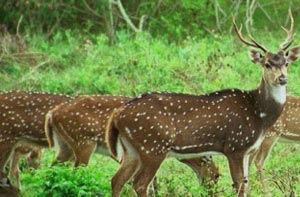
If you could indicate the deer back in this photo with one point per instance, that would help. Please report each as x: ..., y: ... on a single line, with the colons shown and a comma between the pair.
x: 22, y: 115
x: 85, y: 118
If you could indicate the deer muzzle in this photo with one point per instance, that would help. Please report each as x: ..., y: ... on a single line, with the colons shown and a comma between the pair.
x: 282, y: 79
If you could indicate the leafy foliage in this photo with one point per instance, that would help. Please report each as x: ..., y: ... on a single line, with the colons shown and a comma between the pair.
x: 63, y: 180
x: 175, y: 21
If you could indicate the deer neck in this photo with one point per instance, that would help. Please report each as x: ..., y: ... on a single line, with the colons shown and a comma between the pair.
x: 271, y: 100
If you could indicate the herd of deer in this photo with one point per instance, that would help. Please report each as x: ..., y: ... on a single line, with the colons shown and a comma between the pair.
x: 140, y: 133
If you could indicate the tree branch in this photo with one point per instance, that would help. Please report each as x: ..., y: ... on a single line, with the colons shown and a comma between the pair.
x: 127, y: 19
x: 91, y: 10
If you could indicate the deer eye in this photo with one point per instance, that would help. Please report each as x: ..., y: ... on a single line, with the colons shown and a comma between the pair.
x: 268, y: 65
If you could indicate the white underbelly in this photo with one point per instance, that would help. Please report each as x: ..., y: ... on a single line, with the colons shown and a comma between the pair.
x: 191, y: 155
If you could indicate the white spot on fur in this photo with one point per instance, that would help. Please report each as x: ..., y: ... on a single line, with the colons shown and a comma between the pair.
x: 128, y: 132
x: 262, y: 115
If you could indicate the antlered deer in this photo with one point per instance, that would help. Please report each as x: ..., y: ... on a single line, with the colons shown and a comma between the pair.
x: 285, y: 129
x: 81, y: 123
x: 148, y: 129
x: 32, y: 155
x: 22, y: 118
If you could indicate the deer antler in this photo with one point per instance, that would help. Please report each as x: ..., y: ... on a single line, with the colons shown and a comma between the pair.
x: 253, y: 43
x: 290, y: 34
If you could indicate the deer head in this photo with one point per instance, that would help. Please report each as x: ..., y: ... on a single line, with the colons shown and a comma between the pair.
x: 206, y: 170
x: 274, y: 64
x: 34, y: 158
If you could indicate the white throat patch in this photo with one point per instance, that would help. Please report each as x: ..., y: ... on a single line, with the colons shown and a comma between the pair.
x: 279, y: 94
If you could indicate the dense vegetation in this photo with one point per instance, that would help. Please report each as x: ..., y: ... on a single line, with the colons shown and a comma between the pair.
x: 72, y: 47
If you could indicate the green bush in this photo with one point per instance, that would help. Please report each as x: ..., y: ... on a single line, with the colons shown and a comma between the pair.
x: 173, y: 21
x: 66, y: 181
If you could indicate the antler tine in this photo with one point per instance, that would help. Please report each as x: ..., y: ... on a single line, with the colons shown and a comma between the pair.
x: 239, y: 33
x: 253, y: 43
x: 257, y: 44
x: 290, y: 34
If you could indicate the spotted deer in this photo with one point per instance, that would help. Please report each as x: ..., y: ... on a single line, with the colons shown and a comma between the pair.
x: 82, y: 122
x: 32, y: 155
x: 232, y: 122
x: 22, y: 118
x: 285, y: 129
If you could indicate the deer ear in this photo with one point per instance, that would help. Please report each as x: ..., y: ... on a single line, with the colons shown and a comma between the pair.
x: 293, y: 54
x: 256, y: 57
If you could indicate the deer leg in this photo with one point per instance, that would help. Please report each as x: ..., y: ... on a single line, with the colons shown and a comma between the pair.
x: 260, y: 158
x: 128, y: 168
x: 65, y: 152
x: 205, y: 169
x: 239, y: 169
x: 5, y: 151
x: 14, y: 169
x: 196, y: 168
x: 83, y: 153
x: 145, y: 175
x: 153, y: 188
x: 34, y: 158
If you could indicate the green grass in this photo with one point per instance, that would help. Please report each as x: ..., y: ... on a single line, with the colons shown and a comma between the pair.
x: 75, y: 64
x: 80, y: 65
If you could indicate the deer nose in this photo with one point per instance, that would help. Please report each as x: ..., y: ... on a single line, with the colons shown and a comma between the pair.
x: 282, y: 79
